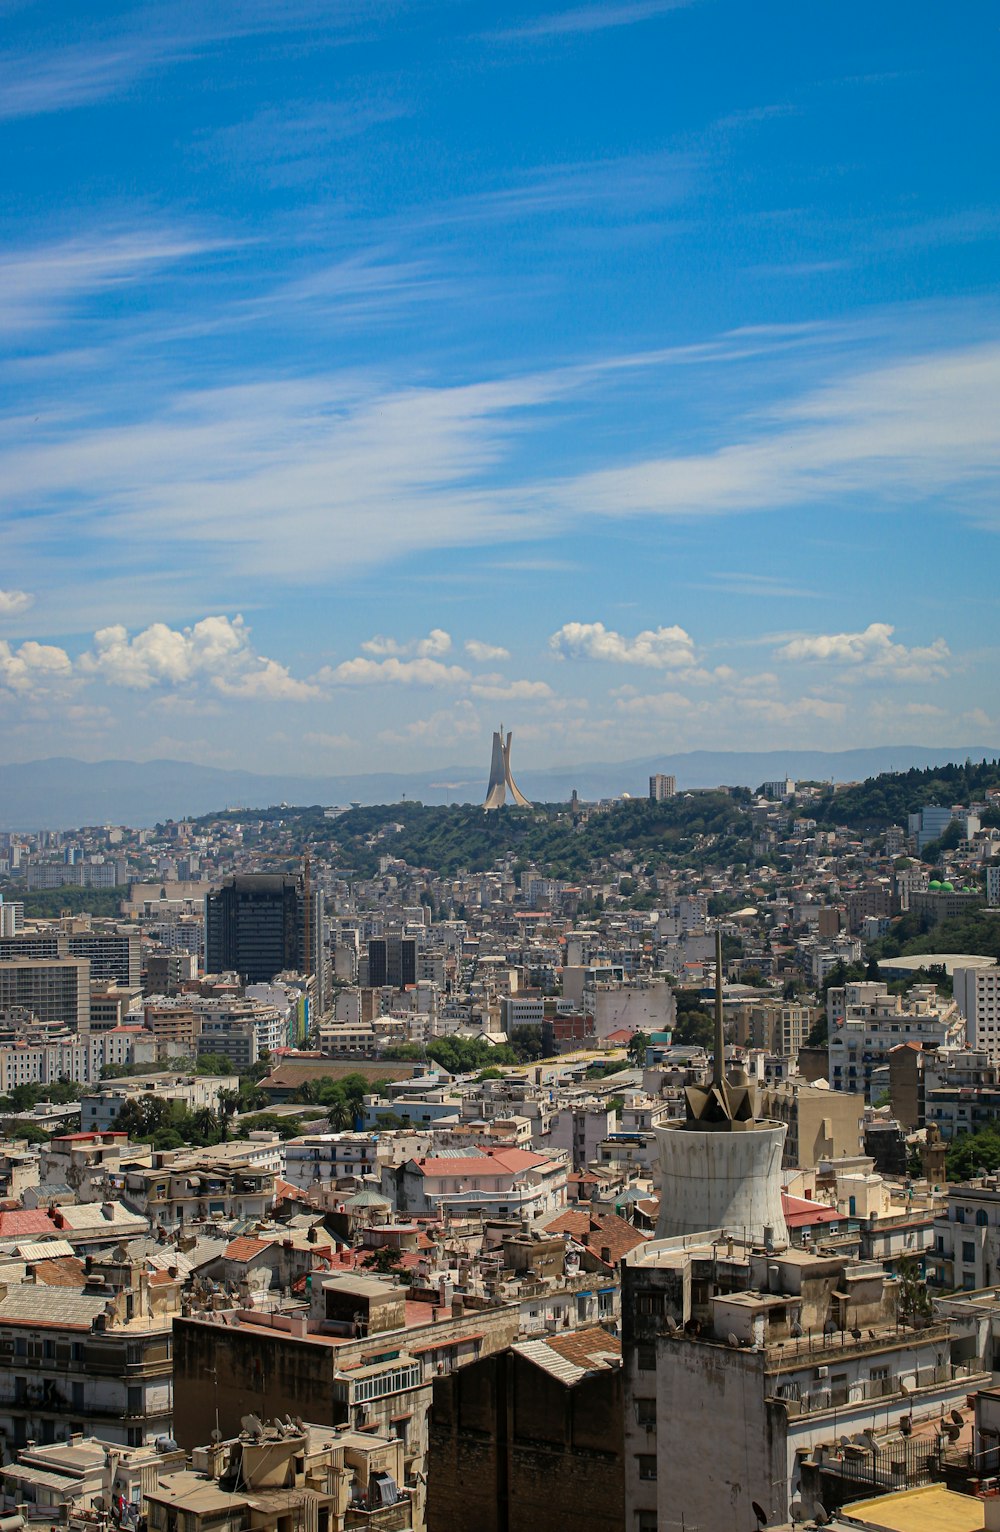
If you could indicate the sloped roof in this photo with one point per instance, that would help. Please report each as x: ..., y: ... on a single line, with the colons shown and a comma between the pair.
x: 598, y: 1231
x: 22, y: 1222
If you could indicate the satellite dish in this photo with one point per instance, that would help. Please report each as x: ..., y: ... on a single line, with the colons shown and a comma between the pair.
x: 797, y: 1512
x: 856, y: 1334
x: 845, y: 1441
x: 216, y: 1434
x: 903, y: 1388
x: 829, y: 1328
x: 760, y: 1514
x: 872, y: 1445
x: 820, y: 1516
x: 958, y: 1418
x: 906, y: 1425
x: 671, y: 1325
x: 733, y: 1340
x: 872, y: 1335
x: 796, y: 1330
x: 952, y: 1432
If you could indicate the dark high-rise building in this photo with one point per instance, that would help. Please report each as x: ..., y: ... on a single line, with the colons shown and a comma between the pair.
x: 392, y: 960
x: 256, y: 926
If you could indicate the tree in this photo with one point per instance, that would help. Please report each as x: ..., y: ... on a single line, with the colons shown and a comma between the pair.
x: 341, y: 1117
x: 636, y: 1049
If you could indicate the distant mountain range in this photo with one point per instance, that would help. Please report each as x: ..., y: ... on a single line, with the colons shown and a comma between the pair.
x: 61, y: 793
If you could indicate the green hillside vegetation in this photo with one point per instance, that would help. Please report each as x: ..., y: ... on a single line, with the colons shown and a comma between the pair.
x: 976, y: 932
x: 889, y: 798
x: 49, y: 903
x: 710, y: 827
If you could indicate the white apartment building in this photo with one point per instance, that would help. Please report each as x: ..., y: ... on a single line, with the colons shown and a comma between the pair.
x: 521, y: 1011
x: 977, y: 995
x: 872, y: 1022
x: 326, y: 1158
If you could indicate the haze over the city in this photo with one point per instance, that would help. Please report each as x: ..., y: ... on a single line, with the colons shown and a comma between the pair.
x: 376, y: 371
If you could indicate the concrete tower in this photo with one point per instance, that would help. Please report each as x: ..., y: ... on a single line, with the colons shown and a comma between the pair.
x: 721, y: 1168
x: 500, y: 778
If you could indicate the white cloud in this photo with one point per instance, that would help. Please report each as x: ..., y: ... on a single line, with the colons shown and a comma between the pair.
x: 771, y: 710
x: 33, y: 667
x: 656, y: 648
x: 447, y: 726
x: 590, y: 18
x: 873, y: 651
x: 14, y: 602
x: 485, y: 653
x: 658, y: 705
x: 436, y: 643
x: 496, y: 689
x: 216, y: 650
x: 393, y: 672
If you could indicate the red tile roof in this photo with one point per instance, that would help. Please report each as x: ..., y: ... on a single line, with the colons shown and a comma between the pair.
x: 24, y: 1221
x: 803, y: 1213
x: 598, y: 1232
x: 510, y: 1161
x: 244, y: 1248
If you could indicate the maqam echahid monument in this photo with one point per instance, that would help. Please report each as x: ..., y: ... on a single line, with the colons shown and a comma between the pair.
x: 721, y: 1167
x: 501, y: 781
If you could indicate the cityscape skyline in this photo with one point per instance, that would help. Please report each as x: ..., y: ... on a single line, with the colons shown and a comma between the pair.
x: 367, y: 373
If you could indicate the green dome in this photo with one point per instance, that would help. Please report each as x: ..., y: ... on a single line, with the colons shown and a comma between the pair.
x: 947, y: 888
x: 934, y: 883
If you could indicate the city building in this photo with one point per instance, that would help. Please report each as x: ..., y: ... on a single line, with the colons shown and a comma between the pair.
x: 51, y: 989
x: 662, y: 787
x: 530, y: 1438
x: 286, y: 1475
x: 258, y: 925
x: 392, y: 960
x: 739, y: 1358
x: 977, y: 995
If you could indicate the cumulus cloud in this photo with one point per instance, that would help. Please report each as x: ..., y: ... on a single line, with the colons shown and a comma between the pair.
x: 393, y: 672
x: 871, y: 650
x: 216, y: 650
x: 33, y: 667
x: 14, y: 602
x: 656, y: 648
x: 436, y: 643
x: 484, y: 653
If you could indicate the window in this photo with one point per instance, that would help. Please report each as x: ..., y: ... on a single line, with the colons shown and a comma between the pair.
x: 647, y: 1465
x: 981, y: 1218
x: 645, y: 1357
x: 959, y: 1215
x: 968, y: 1251
x: 645, y: 1414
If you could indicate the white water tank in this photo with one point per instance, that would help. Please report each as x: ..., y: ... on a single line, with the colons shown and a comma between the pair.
x: 724, y: 1179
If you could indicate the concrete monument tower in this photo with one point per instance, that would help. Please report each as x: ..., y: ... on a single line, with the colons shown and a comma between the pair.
x: 721, y: 1168
x: 500, y: 778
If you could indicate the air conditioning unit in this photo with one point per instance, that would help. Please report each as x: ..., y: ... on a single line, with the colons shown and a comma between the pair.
x: 822, y: 1372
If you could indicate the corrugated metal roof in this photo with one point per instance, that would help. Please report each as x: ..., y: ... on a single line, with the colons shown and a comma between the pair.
x: 44, y: 1249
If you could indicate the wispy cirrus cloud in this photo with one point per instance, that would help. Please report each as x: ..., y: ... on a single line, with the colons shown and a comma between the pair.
x: 38, y: 285
x: 590, y: 18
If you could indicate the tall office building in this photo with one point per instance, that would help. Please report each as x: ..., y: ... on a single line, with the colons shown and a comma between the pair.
x: 53, y: 989
x: 661, y: 787
x: 257, y: 925
x: 114, y: 954
x: 392, y: 960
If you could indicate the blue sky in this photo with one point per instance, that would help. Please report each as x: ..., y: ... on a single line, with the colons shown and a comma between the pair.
x: 374, y: 369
